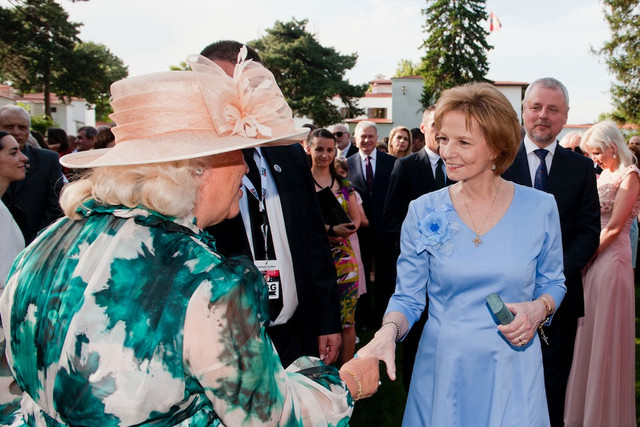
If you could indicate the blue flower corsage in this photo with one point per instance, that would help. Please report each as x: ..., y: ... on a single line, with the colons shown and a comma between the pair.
x: 436, y: 231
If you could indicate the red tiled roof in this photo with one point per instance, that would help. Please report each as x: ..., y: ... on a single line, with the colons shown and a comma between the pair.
x: 501, y: 83
x: 39, y: 97
x: 377, y: 95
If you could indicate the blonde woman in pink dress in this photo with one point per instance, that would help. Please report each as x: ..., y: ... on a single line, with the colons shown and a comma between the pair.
x: 601, y: 390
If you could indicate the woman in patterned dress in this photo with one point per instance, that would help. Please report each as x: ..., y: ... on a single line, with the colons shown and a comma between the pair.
x: 322, y: 148
x: 601, y: 389
x: 123, y: 313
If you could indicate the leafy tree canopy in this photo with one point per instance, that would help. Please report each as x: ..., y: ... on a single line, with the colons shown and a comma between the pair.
x: 41, y: 52
x: 309, y: 74
x: 456, y: 46
x: 622, y: 55
x: 406, y: 68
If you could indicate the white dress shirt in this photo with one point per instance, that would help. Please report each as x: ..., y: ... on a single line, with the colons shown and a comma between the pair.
x: 534, y: 160
x: 363, y: 162
x: 280, y: 243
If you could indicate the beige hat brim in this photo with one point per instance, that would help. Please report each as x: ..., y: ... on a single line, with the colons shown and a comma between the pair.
x: 171, y: 147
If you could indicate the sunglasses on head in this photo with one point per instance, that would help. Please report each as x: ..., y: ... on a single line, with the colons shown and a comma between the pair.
x: 338, y: 134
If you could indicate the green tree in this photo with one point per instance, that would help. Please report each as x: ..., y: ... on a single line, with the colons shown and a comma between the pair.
x: 183, y: 66
x: 34, y: 35
x: 622, y: 55
x: 406, y: 68
x: 309, y: 74
x: 41, y: 52
x: 90, y: 70
x: 456, y: 46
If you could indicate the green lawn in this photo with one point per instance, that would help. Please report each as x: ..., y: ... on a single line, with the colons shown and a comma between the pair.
x: 385, y: 408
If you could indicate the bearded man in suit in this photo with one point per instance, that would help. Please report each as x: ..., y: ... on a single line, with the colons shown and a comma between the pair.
x: 542, y: 163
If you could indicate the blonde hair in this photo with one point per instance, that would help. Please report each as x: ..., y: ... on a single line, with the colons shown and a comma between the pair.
x: 492, y: 111
x: 167, y: 188
x: 605, y: 135
x: 392, y: 147
x: 568, y: 138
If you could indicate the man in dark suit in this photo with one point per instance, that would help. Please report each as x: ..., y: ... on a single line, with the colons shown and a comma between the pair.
x: 33, y: 200
x: 369, y: 172
x: 303, y: 303
x: 344, y: 146
x: 570, y: 177
x: 419, y: 173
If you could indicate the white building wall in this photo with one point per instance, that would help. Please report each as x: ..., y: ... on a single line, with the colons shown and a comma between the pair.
x: 406, y: 102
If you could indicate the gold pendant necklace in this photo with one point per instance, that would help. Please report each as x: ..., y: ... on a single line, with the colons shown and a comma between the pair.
x: 476, y: 240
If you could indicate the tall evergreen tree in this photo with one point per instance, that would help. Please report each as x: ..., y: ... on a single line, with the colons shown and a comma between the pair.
x: 622, y: 55
x: 456, y: 47
x: 309, y: 74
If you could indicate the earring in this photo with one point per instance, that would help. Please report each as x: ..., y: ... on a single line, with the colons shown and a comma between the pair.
x: 615, y: 156
x: 199, y: 171
x: 493, y: 167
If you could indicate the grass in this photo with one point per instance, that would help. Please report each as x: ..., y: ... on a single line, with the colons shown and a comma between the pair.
x: 385, y: 408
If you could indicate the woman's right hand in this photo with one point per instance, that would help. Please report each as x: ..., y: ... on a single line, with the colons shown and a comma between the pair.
x: 365, y: 369
x: 383, y: 347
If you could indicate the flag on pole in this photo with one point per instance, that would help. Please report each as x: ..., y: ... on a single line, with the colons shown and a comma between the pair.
x: 494, y: 23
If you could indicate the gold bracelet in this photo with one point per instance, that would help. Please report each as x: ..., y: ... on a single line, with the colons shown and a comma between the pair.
x: 547, y: 306
x: 391, y: 322
x: 357, y: 380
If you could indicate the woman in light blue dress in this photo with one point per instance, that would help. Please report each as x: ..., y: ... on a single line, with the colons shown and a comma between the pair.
x: 480, y: 236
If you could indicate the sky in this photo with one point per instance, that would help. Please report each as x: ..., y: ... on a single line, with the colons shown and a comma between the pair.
x: 538, y: 39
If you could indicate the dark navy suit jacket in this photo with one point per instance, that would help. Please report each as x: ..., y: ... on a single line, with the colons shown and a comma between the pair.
x: 572, y: 181
x: 372, y: 201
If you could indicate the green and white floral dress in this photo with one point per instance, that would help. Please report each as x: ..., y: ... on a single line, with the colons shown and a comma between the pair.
x: 127, y: 317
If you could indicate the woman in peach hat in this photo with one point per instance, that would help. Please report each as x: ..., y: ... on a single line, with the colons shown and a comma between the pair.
x: 122, y: 313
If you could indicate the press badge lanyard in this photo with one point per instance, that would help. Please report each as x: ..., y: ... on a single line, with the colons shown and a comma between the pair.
x: 264, y: 228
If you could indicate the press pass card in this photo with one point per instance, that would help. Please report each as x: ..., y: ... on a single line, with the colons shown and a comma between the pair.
x: 271, y: 273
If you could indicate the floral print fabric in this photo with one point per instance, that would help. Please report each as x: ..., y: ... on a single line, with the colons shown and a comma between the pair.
x: 129, y: 317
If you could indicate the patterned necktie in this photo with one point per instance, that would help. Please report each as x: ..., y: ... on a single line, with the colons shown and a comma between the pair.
x: 541, y: 172
x: 440, y: 180
x: 369, y: 170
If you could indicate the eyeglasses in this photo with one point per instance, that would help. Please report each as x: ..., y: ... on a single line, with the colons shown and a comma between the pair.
x: 339, y: 134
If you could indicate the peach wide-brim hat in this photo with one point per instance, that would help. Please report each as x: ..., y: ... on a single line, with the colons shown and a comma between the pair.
x: 179, y: 115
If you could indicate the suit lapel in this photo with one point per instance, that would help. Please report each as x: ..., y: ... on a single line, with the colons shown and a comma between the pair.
x: 522, y: 174
x: 355, y: 172
x: 32, y: 166
x: 424, y: 166
x: 558, y: 165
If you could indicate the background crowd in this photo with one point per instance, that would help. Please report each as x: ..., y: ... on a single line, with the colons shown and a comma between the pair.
x: 429, y: 223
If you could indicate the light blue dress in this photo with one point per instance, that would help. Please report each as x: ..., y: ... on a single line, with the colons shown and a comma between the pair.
x: 466, y: 373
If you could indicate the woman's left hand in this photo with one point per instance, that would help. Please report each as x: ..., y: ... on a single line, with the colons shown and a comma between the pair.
x: 522, y: 329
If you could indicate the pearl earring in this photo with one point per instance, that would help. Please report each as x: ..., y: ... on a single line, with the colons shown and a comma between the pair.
x: 493, y: 167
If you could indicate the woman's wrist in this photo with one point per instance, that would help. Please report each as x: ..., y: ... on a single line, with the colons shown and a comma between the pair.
x: 353, y: 382
x: 390, y: 328
x: 547, y: 309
